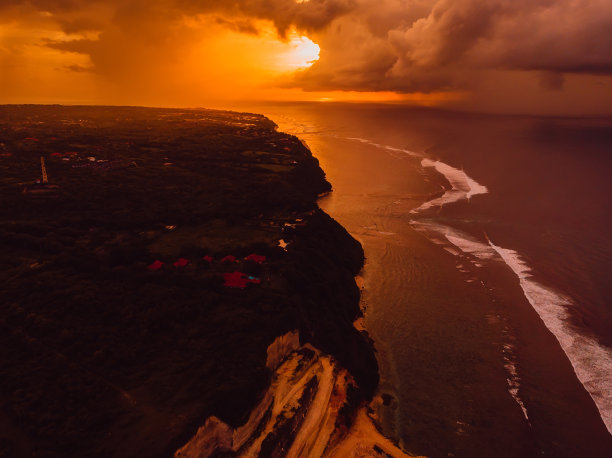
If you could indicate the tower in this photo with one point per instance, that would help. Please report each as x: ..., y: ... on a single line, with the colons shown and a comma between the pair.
x: 44, y: 170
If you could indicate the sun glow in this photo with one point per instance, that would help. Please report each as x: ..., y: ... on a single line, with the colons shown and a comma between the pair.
x: 302, y: 54
x: 209, y: 70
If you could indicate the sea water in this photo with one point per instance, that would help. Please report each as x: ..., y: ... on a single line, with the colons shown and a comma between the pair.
x: 488, y: 245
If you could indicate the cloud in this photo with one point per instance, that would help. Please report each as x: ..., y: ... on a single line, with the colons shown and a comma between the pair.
x: 241, y: 25
x: 400, y: 45
x: 366, y: 45
x: 162, y: 27
x: 78, y: 68
x: 309, y: 15
x: 453, y: 42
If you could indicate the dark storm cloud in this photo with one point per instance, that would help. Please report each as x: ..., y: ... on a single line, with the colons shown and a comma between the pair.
x: 308, y: 15
x: 128, y: 31
x: 399, y: 45
x: 454, y: 42
x: 82, y: 46
x: 242, y: 26
x: 78, y: 68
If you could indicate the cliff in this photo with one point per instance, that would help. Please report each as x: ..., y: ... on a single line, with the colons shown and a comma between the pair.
x: 310, y: 409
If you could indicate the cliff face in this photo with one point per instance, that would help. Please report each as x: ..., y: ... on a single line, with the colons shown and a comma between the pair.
x: 321, y: 270
x: 132, y: 335
x: 310, y: 409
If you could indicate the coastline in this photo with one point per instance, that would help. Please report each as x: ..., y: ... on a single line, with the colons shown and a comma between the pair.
x: 510, y: 361
x: 151, y: 354
x: 310, y: 409
x: 138, y: 306
x: 348, y: 416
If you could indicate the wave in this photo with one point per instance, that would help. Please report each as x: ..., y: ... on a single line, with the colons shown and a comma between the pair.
x: 443, y: 235
x: 462, y: 186
x: 591, y: 361
x: 385, y: 147
x: 470, y: 250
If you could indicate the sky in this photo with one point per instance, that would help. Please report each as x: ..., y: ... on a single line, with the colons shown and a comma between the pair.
x: 510, y: 56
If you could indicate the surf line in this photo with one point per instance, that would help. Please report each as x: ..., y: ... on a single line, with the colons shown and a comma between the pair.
x: 592, y: 362
x: 386, y: 147
x: 463, y: 187
x: 475, y: 253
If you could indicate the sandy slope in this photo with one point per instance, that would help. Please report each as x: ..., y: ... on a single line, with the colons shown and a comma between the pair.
x: 305, y: 412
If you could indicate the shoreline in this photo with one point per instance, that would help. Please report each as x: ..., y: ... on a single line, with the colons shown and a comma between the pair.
x: 351, y: 208
x: 136, y: 310
x: 360, y: 429
x: 462, y: 187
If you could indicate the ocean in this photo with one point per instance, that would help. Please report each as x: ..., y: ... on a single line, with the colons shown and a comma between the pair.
x: 488, y: 242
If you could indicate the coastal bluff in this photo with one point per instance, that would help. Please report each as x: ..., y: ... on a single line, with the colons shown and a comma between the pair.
x: 310, y: 409
x: 149, y: 278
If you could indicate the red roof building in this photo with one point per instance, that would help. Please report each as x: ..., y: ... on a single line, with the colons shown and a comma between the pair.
x: 258, y: 258
x: 156, y: 265
x: 239, y: 280
x: 182, y: 262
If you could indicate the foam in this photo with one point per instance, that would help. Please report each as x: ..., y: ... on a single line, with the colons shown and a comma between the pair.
x: 442, y: 235
x: 469, y: 245
x: 463, y: 187
x: 513, y: 380
x: 514, y: 385
x: 591, y: 361
x: 385, y: 147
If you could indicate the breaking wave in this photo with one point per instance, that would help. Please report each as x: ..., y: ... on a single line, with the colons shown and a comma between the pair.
x: 592, y: 362
x: 462, y: 186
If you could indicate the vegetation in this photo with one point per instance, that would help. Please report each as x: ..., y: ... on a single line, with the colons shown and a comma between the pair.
x: 102, y: 356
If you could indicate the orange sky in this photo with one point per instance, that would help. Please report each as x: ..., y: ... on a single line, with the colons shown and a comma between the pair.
x: 463, y: 53
x: 215, y: 65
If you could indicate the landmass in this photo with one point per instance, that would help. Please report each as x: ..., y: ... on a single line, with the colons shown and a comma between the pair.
x: 148, y: 274
x: 310, y: 409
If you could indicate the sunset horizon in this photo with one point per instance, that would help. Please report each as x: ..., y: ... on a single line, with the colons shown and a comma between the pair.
x: 493, y: 56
